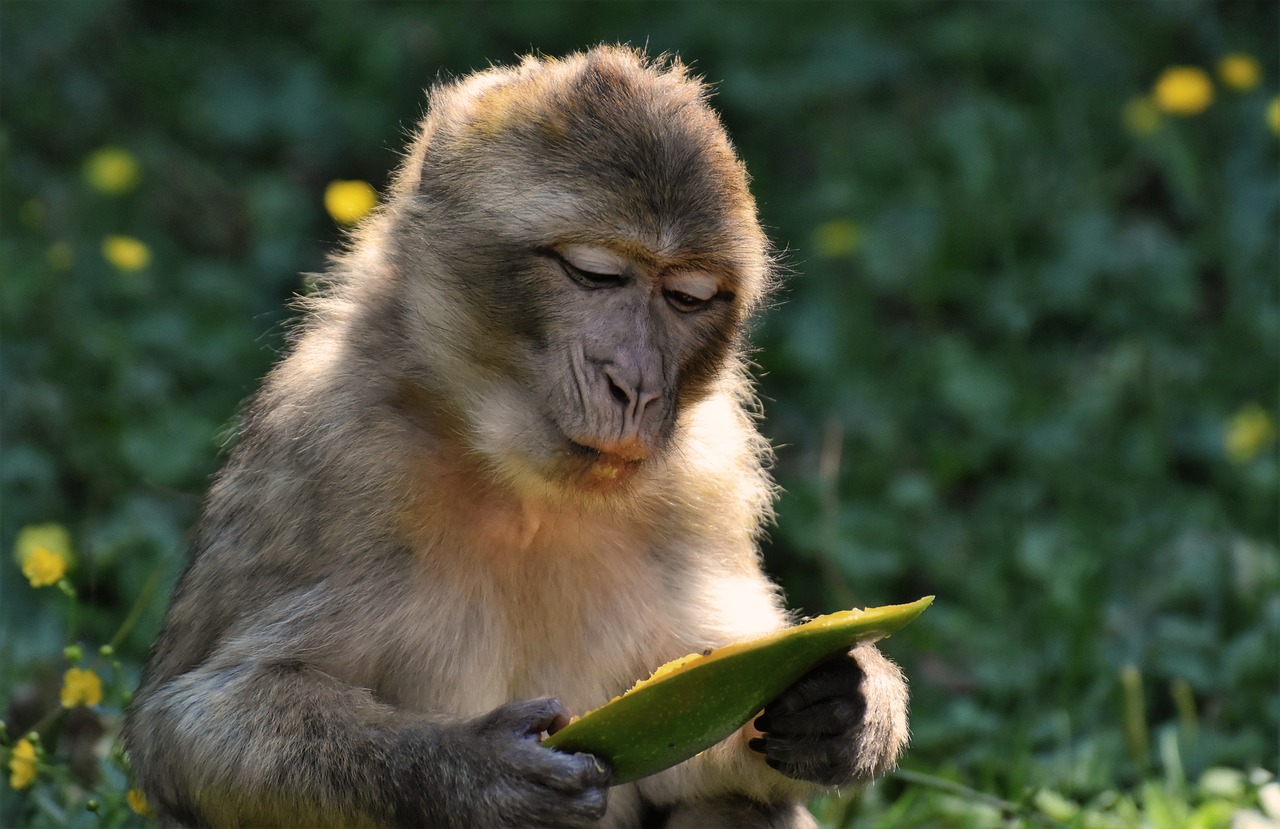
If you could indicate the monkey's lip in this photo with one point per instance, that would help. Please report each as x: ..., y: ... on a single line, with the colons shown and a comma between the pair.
x: 627, y: 451
x: 606, y: 466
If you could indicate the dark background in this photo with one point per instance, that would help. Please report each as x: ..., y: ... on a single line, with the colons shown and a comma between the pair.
x: 1016, y: 333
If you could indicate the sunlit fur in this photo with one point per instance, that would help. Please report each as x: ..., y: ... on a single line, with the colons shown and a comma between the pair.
x: 403, y: 538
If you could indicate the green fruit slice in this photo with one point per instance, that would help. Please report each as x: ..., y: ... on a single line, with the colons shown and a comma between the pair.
x: 694, y: 702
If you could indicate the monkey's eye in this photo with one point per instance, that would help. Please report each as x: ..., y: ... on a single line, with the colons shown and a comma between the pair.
x: 592, y: 279
x: 689, y: 292
x: 590, y: 267
x: 685, y: 302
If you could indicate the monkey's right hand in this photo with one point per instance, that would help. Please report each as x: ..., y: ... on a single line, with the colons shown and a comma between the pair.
x: 519, y: 782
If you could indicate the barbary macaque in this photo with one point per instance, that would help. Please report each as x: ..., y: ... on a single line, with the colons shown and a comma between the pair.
x: 508, y: 467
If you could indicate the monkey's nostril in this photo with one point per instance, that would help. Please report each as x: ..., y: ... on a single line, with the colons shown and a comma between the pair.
x: 620, y: 394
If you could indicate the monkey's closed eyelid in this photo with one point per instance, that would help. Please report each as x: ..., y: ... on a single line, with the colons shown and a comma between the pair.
x: 702, y: 286
x: 586, y: 278
x: 686, y: 303
x: 594, y: 260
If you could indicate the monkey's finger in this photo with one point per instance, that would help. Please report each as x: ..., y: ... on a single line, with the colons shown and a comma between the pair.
x: 531, y: 805
x: 839, y: 677
x: 568, y: 773
x: 826, y: 718
x: 558, y: 789
x: 837, y: 774
x: 553, y: 810
x: 529, y: 717
x: 588, y: 807
x: 829, y: 762
x: 801, y: 751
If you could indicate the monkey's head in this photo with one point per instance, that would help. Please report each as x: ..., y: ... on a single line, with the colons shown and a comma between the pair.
x: 576, y: 253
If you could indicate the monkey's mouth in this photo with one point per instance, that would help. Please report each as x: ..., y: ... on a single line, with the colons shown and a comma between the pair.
x: 602, y: 468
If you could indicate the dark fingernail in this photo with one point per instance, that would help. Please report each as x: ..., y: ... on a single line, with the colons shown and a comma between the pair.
x: 762, y: 723
x: 756, y: 744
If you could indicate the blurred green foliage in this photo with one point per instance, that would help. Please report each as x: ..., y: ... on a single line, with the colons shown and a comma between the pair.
x: 1025, y: 307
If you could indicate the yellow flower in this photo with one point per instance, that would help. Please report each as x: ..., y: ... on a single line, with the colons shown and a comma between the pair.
x: 1141, y: 116
x: 22, y: 765
x: 44, y: 567
x: 43, y: 551
x: 1183, y: 90
x: 80, y: 686
x: 838, y: 237
x: 1248, y: 432
x: 349, y: 201
x: 111, y: 170
x: 138, y: 803
x: 126, y: 252
x: 1273, y: 115
x: 1240, y: 72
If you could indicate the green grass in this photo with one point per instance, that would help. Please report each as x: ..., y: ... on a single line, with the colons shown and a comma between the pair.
x: 1028, y: 315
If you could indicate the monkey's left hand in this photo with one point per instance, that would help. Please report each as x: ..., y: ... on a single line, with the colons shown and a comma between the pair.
x: 846, y: 720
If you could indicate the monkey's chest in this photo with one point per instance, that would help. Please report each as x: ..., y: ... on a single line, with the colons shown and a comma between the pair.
x: 578, y: 618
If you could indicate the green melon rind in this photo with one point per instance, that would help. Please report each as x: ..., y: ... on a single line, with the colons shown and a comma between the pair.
x: 672, y: 718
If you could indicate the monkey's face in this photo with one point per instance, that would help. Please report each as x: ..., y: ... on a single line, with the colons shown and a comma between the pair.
x: 581, y: 355
x: 630, y: 339
x: 585, y: 254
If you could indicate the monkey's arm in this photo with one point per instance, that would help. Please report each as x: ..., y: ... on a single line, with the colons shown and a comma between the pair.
x: 257, y: 740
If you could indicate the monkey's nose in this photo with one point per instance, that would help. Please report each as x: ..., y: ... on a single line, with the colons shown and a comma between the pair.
x: 631, y: 396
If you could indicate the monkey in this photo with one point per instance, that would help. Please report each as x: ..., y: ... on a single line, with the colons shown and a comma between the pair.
x: 508, y: 464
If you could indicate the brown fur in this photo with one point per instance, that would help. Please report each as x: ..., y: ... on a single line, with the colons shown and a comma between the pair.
x: 481, y: 478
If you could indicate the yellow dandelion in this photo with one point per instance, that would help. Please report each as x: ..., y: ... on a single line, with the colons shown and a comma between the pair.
x: 838, y: 237
x: 22, y: 765
x: 80, y: 686
x: 1141, y: 116
x: 138, y: 803
x: 1239, y: 72
x: 349, y: 201
x: 126, y: 253
x: 1273, y: 115
x: 43, y: 567
x: 60, y: 256
x: 111, y: 170
x: 1249, y: 431
x: 1183, y: 90
x: 43, y: 551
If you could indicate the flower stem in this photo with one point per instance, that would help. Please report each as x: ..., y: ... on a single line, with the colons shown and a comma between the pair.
x: 959, y: 789
x: 135, y: 612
